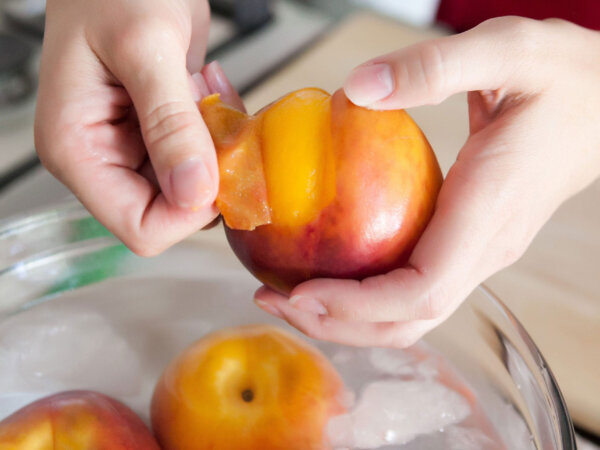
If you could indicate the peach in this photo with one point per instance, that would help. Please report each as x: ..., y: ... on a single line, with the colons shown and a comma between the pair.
x: 75, y: 420
x: 253, y: 387
x: 315, y: 186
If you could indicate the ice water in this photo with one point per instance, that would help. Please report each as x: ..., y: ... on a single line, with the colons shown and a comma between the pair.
x: 116, y: 337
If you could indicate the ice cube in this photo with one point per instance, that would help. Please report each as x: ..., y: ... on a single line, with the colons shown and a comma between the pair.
x: 52, y: 348
x: 468, y: 438
x: 344, y: 356
x: 403, y: 363
x: 392, y: 361
x: 428, y: 369
x: 395, y: 412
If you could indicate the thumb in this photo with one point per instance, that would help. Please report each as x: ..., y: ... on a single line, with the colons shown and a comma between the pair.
x: 431, y: 71
x: 178, y: 143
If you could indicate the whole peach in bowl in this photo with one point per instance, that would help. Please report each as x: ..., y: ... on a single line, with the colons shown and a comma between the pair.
x: 75, y: 420
x: 254, y: 387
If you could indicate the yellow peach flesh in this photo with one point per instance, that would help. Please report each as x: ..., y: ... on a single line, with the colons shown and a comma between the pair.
x: 298, y: 156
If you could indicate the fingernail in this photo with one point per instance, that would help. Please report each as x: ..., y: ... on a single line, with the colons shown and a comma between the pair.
x: 267, y: 307
x: 307, y: 304
x: 216, y: 79
x: 200, y: 89
x: 369, y: 84
x: 191, y: 184
x: 218, y: 82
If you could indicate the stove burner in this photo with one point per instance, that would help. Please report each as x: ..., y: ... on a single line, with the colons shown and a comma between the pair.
x: 16, y: 80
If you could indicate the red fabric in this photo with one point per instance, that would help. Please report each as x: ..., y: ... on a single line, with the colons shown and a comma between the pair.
x: 464, y: 14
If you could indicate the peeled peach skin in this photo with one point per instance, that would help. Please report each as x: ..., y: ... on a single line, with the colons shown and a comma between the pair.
x: 75, y: 420
x: 253, y: 387
x: 349, y: 190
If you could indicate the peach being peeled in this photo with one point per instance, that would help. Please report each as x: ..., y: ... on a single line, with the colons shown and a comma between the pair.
x: 315, y: 186
x: 253, y: 388
x: 75, y: 420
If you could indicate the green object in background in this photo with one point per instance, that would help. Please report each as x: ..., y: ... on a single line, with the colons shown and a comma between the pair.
x: 93, y: 267
x: 88, y: 228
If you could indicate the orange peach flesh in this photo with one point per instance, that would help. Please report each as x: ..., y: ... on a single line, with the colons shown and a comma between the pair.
x: 276, y: 167
x: 298, y: 157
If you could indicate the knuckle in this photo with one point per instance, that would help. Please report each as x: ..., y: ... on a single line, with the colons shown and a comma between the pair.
x: 413, y: 339
x: 138, y: 39
x: 431, y: 69
x: 371, y: 285
x: 312, y: 332
x: 517, y: 241
x: 521, y: 33
x: 406, y: 340
x: 40, y: 142
x: 433, y: 305
x: 525, y: 33
x: 519, y: 23
x: 514, y: 237
x: 142, y: 247
x: 556, y: 21
x: 357, y: 310
x: 48, y: 160
x: 341, y: 311
x: 54, y: 144
x: 401, y: 338
x: 507, y: 24
x: 319, y: 329
x: 565, y: 29
x: 173, y: 122
x: 510, y: 256
x: 134, y: 236
x: 372, y: 292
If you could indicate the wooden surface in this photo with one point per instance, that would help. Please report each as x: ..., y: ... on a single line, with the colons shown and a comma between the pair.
x: 555, y: 288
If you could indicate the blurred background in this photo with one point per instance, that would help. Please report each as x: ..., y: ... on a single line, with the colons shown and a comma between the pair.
x: 260, y: 43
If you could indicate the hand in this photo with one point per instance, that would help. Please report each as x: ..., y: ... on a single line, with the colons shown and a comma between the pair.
x: 534, y: 141
x: 117, y: 120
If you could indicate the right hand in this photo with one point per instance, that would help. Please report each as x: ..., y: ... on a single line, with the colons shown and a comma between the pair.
x: 117, y: 120
x: 534, y: 142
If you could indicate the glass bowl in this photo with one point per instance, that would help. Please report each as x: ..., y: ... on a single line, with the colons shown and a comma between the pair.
x: 79, y: 311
